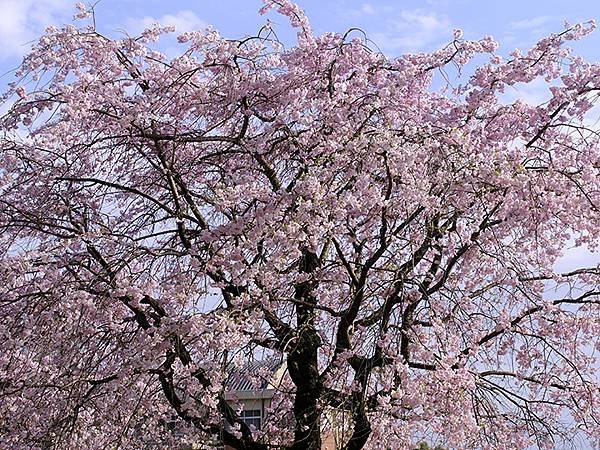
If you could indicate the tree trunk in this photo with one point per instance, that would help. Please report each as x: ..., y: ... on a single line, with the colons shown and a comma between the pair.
x: 302, y: 364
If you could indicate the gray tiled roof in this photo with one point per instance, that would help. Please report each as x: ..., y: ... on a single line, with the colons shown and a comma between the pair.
x: 241, y: 379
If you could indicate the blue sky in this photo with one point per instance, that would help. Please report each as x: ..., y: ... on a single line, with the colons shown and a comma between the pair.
x: 395, y: 26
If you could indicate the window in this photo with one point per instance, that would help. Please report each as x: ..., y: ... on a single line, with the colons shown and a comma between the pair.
x: 252, y: 417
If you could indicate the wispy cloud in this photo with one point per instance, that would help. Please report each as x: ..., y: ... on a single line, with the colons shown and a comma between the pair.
x: 534, y: 93
x: 530, y: 23
x: 185, y: 20
x: 21, y: 21
x: 367, y: 8
x: 412, y: 31
x: 519, y: 33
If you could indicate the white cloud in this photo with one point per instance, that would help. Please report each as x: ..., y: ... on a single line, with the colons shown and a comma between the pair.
x: 592, y: 118
x: 182, y: 21
x: 529, y: 24
x: 534, y: 93
x: 412, y: 31
x: 21, y: 21
x: 575, y: 258
x: 367, y: 8
x: 438, y: 3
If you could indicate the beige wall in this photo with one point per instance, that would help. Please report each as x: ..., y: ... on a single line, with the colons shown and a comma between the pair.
x: 250, y: 404
x: 328, y: 442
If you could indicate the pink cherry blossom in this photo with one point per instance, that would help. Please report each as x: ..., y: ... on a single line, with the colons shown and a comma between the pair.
x: 164, y: 221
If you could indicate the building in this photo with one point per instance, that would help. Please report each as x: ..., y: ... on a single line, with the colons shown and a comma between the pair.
x: 253, y: 386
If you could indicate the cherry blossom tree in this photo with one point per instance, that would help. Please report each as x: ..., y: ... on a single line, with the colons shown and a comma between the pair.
x: 388, y: 227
